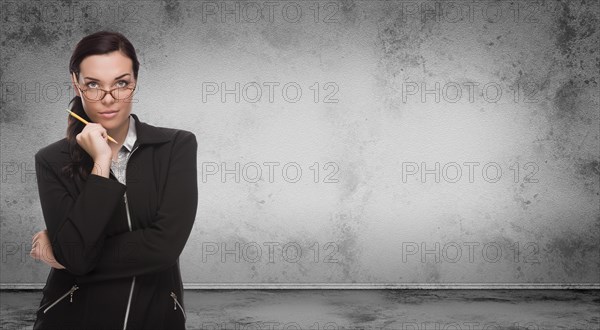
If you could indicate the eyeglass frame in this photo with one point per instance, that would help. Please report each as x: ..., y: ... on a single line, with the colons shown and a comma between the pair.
x: 104, y: 90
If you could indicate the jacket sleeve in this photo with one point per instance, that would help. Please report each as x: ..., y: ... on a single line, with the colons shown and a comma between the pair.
x: 76, y: 227
x: 158, y: 246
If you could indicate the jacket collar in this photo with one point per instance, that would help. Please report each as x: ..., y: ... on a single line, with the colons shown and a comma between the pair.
x: 148, y: 134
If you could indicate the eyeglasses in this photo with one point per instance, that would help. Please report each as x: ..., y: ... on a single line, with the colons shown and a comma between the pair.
x: 97, y: 94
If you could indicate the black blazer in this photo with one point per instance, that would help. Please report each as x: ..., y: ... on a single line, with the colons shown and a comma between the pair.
x: 113, y: 275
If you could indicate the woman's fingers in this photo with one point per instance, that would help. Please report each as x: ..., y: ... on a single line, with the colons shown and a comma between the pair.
x: 41, y: 249
x: 34, y: 253
x: 35, y: 236
x: 35, y: 249
x: 41, y: 232
x: 39, y: 237
x: 93, y: 128
x: 93, y: 139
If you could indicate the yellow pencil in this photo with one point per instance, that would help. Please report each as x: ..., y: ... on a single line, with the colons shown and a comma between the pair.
x: 86, y: 122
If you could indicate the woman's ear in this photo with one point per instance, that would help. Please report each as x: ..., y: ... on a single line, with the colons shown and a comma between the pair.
x: 73, y: 81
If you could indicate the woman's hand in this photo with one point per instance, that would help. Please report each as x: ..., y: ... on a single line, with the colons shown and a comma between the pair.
x: 94, y: 140
x: 41, y: 249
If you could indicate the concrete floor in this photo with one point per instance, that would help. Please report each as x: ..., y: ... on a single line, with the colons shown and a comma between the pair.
x: 364, y: 309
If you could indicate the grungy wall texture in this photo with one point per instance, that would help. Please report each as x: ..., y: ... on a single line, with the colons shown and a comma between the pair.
x: 341, y: 141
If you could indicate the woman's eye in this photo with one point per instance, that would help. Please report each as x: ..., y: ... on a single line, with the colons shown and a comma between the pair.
x: 122, y: 83
x: 90, y: 84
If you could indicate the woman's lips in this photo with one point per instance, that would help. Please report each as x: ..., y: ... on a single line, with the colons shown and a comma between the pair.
x: 109, y: 115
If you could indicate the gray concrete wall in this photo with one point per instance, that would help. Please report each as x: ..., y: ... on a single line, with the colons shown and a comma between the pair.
x: 453, y: 142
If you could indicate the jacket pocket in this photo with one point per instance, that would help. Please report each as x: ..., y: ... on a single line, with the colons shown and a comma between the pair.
x: 177, y: 304
x: 51, y: 304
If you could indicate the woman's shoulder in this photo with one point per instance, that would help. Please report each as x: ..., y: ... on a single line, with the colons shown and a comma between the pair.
x: 54, y: 150
x: 176, y: 135
x: 155, y: 133
x: 173, y: 131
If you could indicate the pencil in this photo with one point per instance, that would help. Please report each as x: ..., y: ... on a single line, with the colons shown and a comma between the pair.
x: 86, y: 122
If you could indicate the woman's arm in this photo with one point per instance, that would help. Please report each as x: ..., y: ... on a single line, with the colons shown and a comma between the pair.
x: 157, y: 247
x: 76, y: 228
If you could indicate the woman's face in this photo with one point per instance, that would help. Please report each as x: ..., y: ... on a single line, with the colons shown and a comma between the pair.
x: 106, y: 71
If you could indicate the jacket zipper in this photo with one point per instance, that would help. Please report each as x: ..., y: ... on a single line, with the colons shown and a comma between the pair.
x: 70, y: 292
x: 130, y: 229
x: 176, y: 303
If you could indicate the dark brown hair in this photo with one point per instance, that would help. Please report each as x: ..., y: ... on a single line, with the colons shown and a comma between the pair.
x: 102, y: 42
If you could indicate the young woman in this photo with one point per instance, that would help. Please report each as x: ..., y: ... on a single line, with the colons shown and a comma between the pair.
x: 118, y: 215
